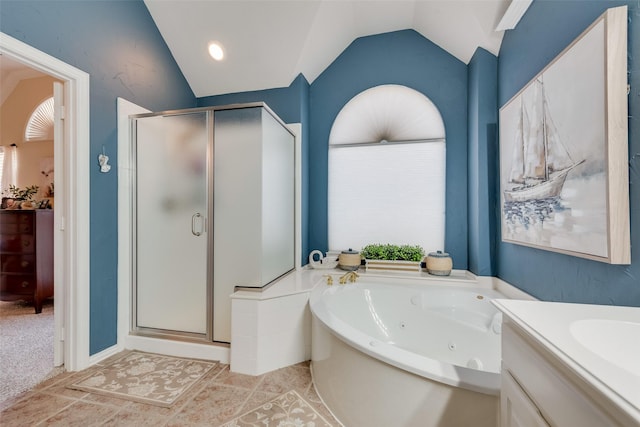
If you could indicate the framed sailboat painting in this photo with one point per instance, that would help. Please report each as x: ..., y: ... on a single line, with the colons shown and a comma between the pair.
x: 563, y: 150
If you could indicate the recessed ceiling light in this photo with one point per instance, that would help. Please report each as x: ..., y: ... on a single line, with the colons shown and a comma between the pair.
x: 215, y: 50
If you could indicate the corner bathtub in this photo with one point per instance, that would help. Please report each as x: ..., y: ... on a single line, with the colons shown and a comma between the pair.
x: 406, y: 354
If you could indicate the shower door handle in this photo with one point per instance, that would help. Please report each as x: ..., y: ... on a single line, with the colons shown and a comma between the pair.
x: 194, y: 219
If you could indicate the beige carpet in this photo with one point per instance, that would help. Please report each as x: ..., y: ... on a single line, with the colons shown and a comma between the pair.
x: 147, y: 378
x: 26, y: 347
x: 287, y: 410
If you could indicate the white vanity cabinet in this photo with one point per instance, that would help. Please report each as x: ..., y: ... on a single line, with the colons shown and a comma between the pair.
x: 544, y: 383
x: 516, y: 408
x: 537, y: 393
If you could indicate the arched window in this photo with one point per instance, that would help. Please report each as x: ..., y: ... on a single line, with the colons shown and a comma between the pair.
x: 40, y: 124
x: 387, y: 171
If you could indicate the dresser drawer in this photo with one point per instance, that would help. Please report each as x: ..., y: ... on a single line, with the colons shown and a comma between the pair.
x: 16, y: 227
x: 18, y: 284
x: 16, y: 217
x: 17, y: 263
x: 21, y: 243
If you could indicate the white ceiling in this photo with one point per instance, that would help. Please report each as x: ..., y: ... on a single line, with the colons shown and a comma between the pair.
x: 269, y: 42
x: 11, y: 73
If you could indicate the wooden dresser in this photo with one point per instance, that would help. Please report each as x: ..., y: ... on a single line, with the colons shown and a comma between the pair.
x: 26, y: 255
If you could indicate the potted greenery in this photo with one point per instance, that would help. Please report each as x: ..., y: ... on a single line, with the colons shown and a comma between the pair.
x: 393, y: 257
x: 24, y: 195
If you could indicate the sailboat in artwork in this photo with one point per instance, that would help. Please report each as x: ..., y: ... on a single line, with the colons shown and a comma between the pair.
x: 540, y: 162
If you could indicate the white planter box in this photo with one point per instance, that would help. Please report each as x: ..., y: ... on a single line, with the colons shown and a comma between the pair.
x: 375, y: 264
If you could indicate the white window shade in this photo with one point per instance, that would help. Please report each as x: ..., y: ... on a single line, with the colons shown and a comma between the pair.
x: 389, y: 113
x: 8, y: 167
x: 388, y: 193
x: 40, y: 124
x: 387, y: 161
x: 2, y: 152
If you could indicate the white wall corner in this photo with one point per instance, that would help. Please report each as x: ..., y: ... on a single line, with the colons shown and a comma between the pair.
x: 511, y: 291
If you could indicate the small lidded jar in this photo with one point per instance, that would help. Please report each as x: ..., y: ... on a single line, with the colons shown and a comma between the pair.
x: 438, y: 263
x: 349, y: 260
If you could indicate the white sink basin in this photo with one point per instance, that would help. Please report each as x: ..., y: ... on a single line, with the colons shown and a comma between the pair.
x: 616, y: 341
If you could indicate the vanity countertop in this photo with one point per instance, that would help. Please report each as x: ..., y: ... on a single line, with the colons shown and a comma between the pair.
x: 599, y: 343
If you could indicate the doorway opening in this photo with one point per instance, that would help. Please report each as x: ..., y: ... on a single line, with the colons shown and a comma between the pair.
x: 71, y: 213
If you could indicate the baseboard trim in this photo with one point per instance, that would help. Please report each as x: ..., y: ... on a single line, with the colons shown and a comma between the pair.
x: 219, y: 353
x: 104, y: 354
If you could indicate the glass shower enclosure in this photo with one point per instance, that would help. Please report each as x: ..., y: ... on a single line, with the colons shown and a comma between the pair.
x: 214, y: 206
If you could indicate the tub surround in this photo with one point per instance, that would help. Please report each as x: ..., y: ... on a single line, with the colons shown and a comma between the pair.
x: 362, y: 400
x: 407, y: 351
x: 271, y: 328
x: 384, y: 319
x: 585, y: 365
x: 263, y: 319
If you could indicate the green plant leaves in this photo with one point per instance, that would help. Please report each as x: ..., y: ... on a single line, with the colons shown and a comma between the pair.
x: 393, y: 252
x: 25, y: 194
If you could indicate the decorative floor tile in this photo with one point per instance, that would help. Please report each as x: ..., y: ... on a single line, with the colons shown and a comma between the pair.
x: 286, y: 379
x: 238, y: 380
x: 144, y: 377
x: 218, y: 398
x: 289, y: 409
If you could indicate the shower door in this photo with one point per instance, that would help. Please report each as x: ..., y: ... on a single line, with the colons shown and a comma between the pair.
x: 171, y: 277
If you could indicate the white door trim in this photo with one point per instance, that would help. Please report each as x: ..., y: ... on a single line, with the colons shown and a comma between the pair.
x: 59, y: 290
x: 71, y: 234
x: 125, y: 191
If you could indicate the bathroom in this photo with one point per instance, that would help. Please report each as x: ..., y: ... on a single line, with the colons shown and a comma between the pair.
x: 118, y: 44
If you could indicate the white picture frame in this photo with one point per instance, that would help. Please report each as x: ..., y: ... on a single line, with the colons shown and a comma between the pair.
x: 564, y: 150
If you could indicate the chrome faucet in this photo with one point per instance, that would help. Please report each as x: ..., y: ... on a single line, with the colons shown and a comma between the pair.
x: 350, y: 276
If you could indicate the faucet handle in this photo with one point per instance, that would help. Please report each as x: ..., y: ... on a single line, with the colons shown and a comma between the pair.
x: 329, y: 279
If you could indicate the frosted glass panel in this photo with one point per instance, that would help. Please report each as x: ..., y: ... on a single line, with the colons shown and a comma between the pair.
x: 277, y: 199
x: 171, y: 205
x: 237, y: 251
x: 254, y: 206
x: 388, y: 193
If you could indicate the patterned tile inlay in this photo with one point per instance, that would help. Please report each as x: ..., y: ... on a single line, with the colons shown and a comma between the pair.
x: 218, y: 398
x: 287, y: 410
x: 143, y: 377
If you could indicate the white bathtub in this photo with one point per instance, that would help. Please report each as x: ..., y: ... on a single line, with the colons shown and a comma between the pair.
x: 406, y: 353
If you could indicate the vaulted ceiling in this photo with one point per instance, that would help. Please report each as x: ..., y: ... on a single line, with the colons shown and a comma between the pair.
x: 267, y: 43
x: 11, y: 73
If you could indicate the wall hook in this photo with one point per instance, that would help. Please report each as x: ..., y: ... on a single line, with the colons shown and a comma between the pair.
x: 103, y: 160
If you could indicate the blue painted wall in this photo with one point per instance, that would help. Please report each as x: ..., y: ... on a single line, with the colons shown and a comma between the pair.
x: 545, y: 30
x: 291, y: 104
x: 405, y: 58
x: 482, y: 142
x: 118, y: 44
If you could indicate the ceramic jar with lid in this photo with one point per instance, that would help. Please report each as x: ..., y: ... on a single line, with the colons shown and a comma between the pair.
x: 349, y: 260
x: 438, y: 263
